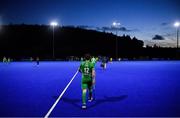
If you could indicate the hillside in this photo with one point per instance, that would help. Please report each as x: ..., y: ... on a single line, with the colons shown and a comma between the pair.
x: 23, y: 41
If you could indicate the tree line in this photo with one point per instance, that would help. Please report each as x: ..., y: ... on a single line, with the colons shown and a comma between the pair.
x: 24, y: 41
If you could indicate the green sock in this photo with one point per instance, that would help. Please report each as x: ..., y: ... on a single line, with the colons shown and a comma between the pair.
x: 84, y: 98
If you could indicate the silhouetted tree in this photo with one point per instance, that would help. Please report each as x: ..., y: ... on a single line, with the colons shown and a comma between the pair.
x: 24, y: 41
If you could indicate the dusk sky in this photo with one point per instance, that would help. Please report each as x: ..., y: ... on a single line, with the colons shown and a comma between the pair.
x: 148, y: 20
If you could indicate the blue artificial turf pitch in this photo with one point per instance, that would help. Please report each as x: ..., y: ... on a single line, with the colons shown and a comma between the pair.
x: 125, y: 88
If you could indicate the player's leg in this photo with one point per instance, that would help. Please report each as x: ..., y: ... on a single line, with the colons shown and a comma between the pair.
x: 90, y: 88
x: 104, y: 65
x: 84, y: 91
x: 93, y: 87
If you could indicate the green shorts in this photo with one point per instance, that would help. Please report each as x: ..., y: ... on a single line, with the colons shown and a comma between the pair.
x: 87, y: 85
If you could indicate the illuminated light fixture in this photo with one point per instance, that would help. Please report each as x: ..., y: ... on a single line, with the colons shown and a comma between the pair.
x: 177, y: 24
x: 53, y: 23
x: 115, y: 24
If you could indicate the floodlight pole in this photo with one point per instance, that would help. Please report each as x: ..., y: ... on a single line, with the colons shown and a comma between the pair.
x: 116, y: 24
x: 177, y: 24
x: 53, y: 43
x: 177, y: 37
x: 53, y: 24
x: 116, y: 44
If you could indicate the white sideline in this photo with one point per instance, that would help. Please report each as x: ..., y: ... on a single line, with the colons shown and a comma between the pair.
x: 51, y: 109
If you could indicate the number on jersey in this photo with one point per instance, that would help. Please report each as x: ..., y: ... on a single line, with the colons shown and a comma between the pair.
x: 86, y: 71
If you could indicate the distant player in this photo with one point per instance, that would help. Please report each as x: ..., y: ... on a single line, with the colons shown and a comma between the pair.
x: 8, y: 60
x: 97, y: 59
x: 88, y: 74
x: 31, y: 59
x: 110, y: 60
x: 37, y: 60
x: 103, y: 64
x: 4, y: 59
x: 93, y: 60
x: 82, y: 59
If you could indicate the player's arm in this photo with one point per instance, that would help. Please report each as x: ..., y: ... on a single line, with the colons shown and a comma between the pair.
x: 93, y: 73
x: 93, y: 70
x: 93, y: 76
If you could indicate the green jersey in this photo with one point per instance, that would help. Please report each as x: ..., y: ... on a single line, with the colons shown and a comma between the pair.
x: 86, y: 68
x: 93, y: 60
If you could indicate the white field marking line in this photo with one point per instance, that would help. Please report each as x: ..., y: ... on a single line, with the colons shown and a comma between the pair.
x: 60, y: 96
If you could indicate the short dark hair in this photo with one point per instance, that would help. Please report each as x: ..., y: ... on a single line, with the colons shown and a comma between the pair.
x: 87, y: 56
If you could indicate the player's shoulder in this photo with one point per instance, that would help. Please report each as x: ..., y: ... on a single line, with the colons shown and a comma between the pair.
x: 82, y: 63
x: 85, y: 63
x: 92, y: 64
x: 88, y: 62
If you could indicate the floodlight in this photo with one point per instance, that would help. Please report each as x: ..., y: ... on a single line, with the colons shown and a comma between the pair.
x: 53, y: 23
x: 176, y: 24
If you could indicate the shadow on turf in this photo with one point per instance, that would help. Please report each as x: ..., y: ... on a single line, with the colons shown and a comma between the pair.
x: 108, y: 99
x: 76, y: 102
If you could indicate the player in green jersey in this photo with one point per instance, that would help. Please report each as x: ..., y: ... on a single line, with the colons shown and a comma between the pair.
x: 93, y: 60
x: 88, y: 74
x: 4, y: 60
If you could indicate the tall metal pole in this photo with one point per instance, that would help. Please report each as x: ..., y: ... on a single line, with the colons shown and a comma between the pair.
x: 116, y: 46
x: 177, y: 37
x: 115, y: 25
x: 53, y: 24
x: 177, y: 24
x: 53, y: 41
